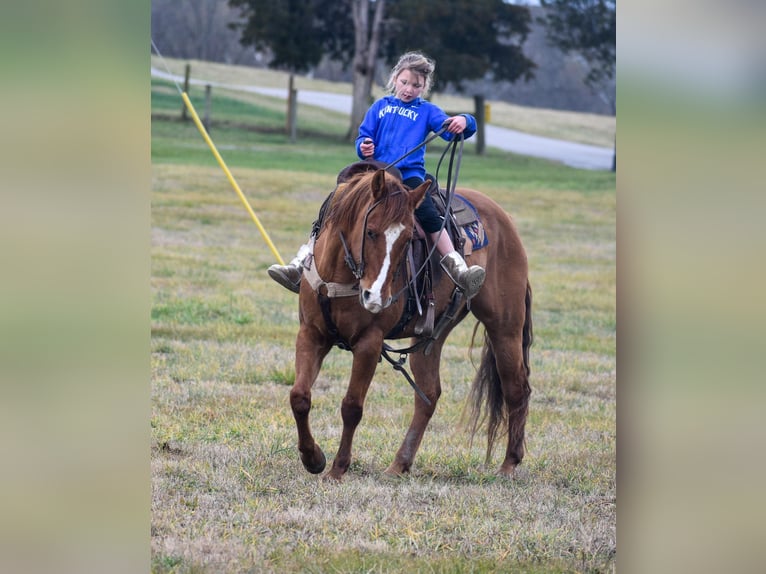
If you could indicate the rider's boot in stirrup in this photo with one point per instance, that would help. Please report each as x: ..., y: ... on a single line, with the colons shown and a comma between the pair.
x: 468, y: 279
x: 289, y: 276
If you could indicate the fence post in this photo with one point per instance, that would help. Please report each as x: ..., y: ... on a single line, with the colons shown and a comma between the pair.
x: 479, y: 114
x: 292, y: 102
x: 208, y: 98
x: 187, y: 73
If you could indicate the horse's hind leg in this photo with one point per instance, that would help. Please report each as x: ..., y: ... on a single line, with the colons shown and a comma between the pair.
x: 507, y: 352
x: 309, y: 353
x: 425, y: 370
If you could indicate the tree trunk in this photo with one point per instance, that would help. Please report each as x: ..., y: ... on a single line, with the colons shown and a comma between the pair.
x: 292, y: 109
x: 366, y: 44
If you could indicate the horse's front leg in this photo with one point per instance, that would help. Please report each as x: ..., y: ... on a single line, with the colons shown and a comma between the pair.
x: 310, y: 351
x: 366, y: 355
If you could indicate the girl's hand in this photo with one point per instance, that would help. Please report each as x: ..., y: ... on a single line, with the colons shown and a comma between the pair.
x: 367, y: 148
x: 456, y: 124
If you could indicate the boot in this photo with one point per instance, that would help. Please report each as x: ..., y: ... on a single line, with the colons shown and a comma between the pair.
x: 289, y: 276
x: 468, y: 279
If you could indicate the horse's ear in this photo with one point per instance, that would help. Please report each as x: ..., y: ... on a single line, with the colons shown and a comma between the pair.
x: 417, y: 194
x: 378, y: 184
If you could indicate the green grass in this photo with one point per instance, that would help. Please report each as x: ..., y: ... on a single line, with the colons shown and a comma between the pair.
x: 229, y: 492
x: 252, y: 136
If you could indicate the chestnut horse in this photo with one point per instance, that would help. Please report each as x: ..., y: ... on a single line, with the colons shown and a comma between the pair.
x: 350, y: 297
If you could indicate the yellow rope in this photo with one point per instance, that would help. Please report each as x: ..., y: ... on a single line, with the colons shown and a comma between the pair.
x: 222, y: 163
x: 232, y: 181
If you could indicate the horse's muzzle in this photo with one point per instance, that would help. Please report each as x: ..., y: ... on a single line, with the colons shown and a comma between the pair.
x: 372, y: 302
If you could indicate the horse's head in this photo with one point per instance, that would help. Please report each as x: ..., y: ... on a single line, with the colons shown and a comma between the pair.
x: 375, y: 214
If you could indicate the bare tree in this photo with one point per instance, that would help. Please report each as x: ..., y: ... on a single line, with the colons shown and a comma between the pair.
x: 198, y: 29
x: 366, y: 45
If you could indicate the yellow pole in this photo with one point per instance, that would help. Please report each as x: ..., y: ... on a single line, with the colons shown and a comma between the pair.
x: 225, y: 169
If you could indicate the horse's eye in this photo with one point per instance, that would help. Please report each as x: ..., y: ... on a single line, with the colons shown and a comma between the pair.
x: 371, y: 234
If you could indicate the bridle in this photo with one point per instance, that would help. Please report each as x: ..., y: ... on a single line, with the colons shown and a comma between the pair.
x: 357, y: 268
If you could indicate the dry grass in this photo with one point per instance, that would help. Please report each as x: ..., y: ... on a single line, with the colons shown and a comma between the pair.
x: 229, y: 493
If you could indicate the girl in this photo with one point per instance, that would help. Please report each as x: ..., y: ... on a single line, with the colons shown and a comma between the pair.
x: 394, y: 125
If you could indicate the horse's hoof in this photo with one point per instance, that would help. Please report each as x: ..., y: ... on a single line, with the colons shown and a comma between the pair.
x: 508, y: 471
x: 392, y: 476
x: 394, y: 472
x: 333, y: 476
x: 312, y: 466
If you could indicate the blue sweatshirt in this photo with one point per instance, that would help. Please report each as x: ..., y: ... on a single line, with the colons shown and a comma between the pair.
x: 396, y: 128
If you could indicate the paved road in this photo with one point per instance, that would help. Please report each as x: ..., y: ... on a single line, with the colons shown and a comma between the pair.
x: 570, y: 153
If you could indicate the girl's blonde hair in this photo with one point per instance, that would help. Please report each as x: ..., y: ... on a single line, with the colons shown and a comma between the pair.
x: 416, y: 63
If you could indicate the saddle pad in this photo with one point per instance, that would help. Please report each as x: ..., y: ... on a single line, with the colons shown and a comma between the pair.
x: 466, y: 218
x: 471, y: 227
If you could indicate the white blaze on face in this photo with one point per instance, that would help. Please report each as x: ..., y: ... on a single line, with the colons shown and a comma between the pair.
x: 375, y: 301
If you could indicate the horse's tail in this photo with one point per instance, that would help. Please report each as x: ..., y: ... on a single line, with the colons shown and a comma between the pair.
x: 486, y: 399
x: 527, y: 334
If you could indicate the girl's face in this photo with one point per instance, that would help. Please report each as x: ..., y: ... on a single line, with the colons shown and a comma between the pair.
x: 408, y: 85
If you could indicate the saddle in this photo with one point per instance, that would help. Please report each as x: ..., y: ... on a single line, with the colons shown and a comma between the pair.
x: 463, y: 225
x: 467, y: 233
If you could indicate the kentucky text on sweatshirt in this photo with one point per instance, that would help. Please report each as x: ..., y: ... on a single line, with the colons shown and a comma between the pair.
x: 397, y: 127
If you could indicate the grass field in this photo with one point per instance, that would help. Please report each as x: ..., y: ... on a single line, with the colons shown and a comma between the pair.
x: 229, y: 493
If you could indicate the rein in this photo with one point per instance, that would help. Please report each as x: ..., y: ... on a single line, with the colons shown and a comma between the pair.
x: 426, y: 141
x: 451, y: 186
x: 358, y: 268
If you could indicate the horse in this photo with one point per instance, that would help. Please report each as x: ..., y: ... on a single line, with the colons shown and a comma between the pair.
x: 350, y: 296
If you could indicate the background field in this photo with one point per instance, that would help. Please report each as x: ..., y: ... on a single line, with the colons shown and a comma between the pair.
x: 229, y: 493
x: 593, y: 129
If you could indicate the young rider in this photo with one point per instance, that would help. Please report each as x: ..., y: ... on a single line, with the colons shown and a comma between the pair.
x: 393, y: 126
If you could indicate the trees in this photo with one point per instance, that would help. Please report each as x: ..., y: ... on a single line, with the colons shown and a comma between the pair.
x: 286, y: 29
x: 468, y: 38
x: 367, y: 41
x: 587, y: 27
x: 296, y: 33
x: 196, y: 29
x: 299, y: 32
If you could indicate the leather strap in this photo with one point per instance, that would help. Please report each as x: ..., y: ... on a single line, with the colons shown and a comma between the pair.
x: 333, y: 289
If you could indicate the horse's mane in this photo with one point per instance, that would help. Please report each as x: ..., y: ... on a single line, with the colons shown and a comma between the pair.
x: 353, y: 197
